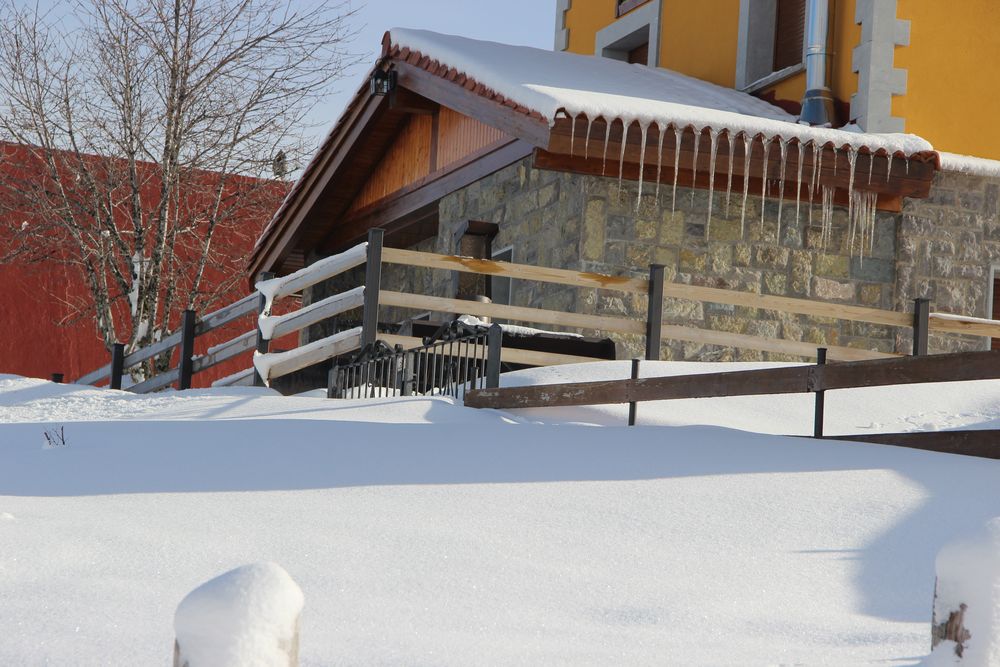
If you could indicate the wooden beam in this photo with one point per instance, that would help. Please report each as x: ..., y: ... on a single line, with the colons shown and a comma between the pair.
x: 906, y: 181
x: 406, y: 101
x: 774, y: 345
x: 532, y: 130
x: 970, y: 326
x: 785, y: 304
x: 797, y: 379
x: 984, y: 444
x: 510, y: 270
x: 423, y: 194
x: 278, y: 364
x: 519, y: 313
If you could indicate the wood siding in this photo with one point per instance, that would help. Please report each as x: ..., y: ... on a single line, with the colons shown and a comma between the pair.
x: 409, y: 157
x: 459, y: 136
x: 407, y: 160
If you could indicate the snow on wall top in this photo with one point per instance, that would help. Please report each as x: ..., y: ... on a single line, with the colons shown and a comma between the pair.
x: 967, y: 164
x: 550, y: 83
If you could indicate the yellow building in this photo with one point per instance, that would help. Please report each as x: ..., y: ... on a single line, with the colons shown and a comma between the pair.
x: 918, y: 66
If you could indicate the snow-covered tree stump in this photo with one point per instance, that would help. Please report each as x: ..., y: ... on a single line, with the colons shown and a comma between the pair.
x: 965, y: 628
x: 247, y: 616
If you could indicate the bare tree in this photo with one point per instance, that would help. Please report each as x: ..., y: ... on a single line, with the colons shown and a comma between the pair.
x: 142, y: 136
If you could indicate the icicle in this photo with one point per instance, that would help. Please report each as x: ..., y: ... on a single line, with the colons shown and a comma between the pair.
x: 642, y: 164
x: 659, y: 160
x: 812, y: 179
x: 798, y: 184
x: 586, y: 141
x: 835, y: 162
x: 713, y: 136
x: 678, y: 134
x: 852, y: 161
x: 607, y: 139
x: 621, y: 155
x: 572, y: 134
x: 871, y: 166
x: 783, y: 148
x: 906, y: 161
x: 729, y: 170
x: 888, y: 169
x: 747, y: 148
x: 826, y: 215
x: 872, y: 212
x: 763, y: 189
x: 694, y: 163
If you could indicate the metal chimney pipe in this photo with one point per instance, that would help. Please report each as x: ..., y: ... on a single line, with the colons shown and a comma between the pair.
x: 817, y: 105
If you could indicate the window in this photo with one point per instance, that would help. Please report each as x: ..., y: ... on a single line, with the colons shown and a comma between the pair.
x: 771, y: 41
x: 635, y: 37
x: 625, y: 6
x: 789, y: 33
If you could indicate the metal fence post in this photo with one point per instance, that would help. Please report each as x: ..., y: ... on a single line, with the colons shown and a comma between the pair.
x: 820, y: 398
x: 494, y: 340
x: 186, y: 364
x: 117, y: 365
x: 654, y: 312
x: 921, y: 320
x: 406, y: 383
x: 632, y: 404
x: 332, y: 390
x: 262, y: 343
x: 373, y: 283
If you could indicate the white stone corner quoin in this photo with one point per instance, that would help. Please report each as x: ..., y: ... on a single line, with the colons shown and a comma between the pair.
x: 965, y: 626
x: 561, y: 42
x: 248, y: 616
x: 873, y: 59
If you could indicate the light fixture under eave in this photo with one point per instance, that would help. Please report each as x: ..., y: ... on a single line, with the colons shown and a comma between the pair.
x: 383, y: 82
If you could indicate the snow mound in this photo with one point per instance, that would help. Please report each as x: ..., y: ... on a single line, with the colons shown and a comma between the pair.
x: 968, y: 582
x: 247, y: 617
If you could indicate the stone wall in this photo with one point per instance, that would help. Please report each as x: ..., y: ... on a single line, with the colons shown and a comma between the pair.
x: 941, y: 248
x: 949, y: 245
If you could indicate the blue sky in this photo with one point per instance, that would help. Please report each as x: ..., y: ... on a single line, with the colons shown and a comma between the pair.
x: 527, y: 22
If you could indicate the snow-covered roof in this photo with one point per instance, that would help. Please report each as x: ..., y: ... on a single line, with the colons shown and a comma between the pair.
x: 549, y: 84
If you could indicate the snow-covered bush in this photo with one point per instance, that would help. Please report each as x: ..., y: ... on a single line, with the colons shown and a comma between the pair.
x: 246, y: 617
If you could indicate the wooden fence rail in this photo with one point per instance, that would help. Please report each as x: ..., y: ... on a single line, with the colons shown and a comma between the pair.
x: 818, y: 379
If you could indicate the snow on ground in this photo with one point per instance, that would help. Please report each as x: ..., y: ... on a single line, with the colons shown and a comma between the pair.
x: 422, y: 532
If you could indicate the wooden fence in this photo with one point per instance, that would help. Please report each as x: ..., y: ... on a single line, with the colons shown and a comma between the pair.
x: 816, y: 379
x: 370, y: 297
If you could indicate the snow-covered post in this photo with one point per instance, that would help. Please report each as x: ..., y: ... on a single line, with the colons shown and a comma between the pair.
x: 247, y: 616
x: 966, y: 620
x: 263, y: 344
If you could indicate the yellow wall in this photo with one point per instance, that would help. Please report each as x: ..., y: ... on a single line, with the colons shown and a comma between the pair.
x: 952, y: 78
x: 699, y: 38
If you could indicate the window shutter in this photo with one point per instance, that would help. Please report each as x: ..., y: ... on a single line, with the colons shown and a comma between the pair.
x: 789, y: 33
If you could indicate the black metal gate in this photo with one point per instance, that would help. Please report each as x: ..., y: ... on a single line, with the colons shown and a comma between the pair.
x: 457, y: 358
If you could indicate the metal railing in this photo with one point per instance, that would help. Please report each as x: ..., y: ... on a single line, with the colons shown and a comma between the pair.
x: 458, y: 358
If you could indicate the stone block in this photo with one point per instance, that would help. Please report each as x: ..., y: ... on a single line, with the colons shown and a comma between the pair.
x: 770, y: 256
x: 833, y: 266
x: 741, y: 254
x: 692, y: 261
x: 832, y: 290
x: 871, y: 295
x: 775, y: 283
x: 595, y: 219
x: 722, y: 230
x: 872, y: 270
x: 801, y: 272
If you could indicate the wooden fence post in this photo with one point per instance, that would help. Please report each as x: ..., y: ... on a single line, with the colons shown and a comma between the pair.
x: 117, y: 365
x: 262, y: 343
x: 332, y: 390
x: 186, y: 363
x: 632, y: 404
x: 373, y: 284
x: 494, y: 341
x: 654, y: 312
x: 921, y: 320
x: 820, y: 398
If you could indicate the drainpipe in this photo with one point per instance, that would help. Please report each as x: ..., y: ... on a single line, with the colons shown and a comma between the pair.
x: 817, y: 105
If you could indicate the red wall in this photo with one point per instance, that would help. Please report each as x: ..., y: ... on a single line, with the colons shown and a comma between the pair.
x: 37, y: 340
